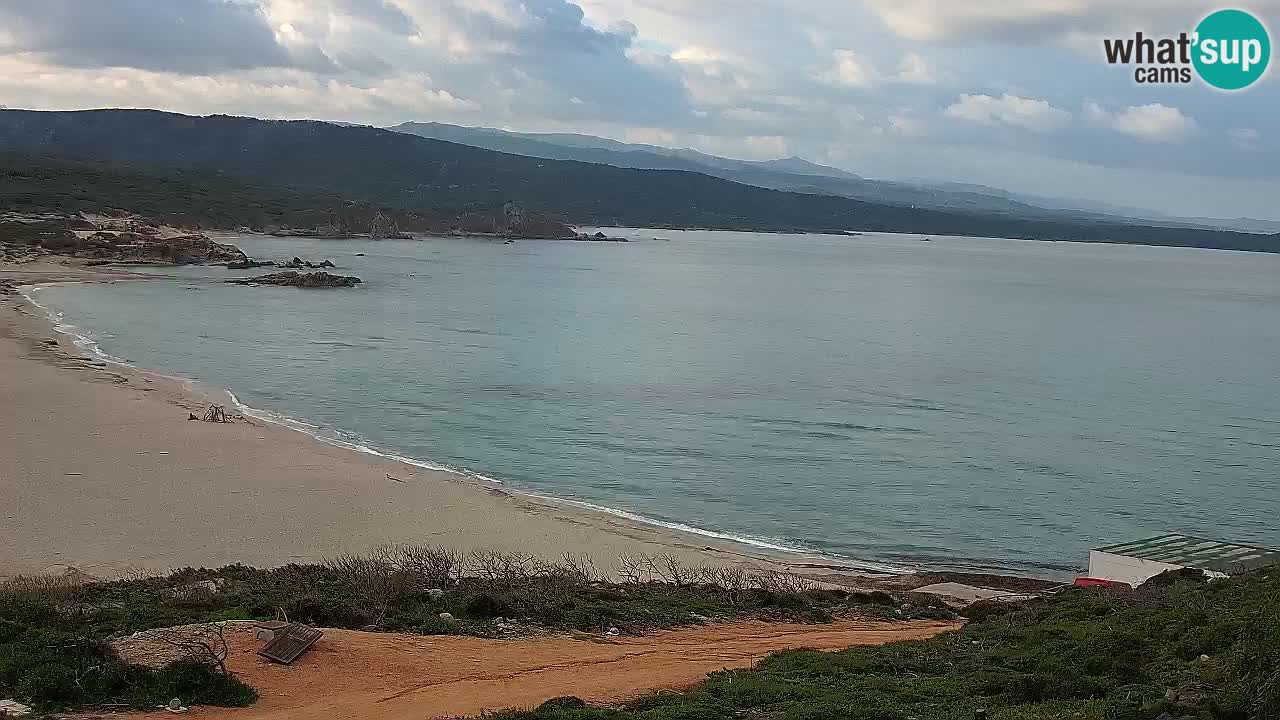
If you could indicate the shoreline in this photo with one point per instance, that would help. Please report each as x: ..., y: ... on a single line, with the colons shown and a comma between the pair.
x: 551, y: 526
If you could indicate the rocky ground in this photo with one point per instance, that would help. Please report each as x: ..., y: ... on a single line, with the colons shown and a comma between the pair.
x: 118, y: 237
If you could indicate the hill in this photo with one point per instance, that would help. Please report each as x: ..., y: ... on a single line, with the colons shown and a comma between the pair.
x: 418, y: 173
x: 206, y: 199
x: 790, y: 174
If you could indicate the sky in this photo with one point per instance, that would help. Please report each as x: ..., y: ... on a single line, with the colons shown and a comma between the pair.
x: 1014, y: 95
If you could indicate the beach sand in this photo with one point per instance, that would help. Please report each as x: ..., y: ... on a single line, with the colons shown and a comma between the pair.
x: 100, y: 470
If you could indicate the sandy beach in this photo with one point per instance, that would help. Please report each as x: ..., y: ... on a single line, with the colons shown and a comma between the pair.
x: 100, y: 470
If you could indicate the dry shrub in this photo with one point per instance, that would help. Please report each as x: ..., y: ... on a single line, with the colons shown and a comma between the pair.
x: 204, y: 645
x: 499, y: 566
x: 433, y: 565
x: 376, y: 583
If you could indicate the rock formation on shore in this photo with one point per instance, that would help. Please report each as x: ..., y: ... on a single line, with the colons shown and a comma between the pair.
x: 292, y: 278
x: 118, y: 237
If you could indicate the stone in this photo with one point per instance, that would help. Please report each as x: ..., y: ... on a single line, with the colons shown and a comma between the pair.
x: 13, y: 708
x: 175, y: 704
x: 446, y: 616
x: 195, y: 590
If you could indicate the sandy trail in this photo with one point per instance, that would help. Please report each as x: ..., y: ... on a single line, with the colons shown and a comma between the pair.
x: 401, y: 677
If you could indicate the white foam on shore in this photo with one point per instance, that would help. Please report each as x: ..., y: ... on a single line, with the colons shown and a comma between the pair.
x: 84, y: 342
x: 338, y: 438
x: 354, y: 444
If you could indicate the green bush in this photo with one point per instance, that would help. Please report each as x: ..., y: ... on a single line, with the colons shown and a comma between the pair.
x: 1085, y: 654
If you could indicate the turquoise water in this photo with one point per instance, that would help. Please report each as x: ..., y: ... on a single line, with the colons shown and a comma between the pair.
x: 964, y: 403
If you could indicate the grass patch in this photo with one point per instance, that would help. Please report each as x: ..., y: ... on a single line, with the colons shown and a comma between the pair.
x: 58, y: 670
x: 1209, y: 651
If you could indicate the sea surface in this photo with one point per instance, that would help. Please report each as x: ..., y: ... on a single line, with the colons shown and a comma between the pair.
x: 961, y: 403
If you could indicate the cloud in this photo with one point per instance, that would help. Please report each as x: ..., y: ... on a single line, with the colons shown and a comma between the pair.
x: 1155, y: 122
x: 915, y: 69
x: 287, y: 93
x: 1011, y: 110
x: 185, y: 36
x: 849, y: 70
x: 532, y: 56
x: 906, y: 125
x: 1244, y: 138
x: 1033, y: 21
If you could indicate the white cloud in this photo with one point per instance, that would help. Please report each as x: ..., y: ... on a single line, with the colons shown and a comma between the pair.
x: 1031, y: 21
x: 849, y: 70
x: 906, y: 125
x: 275, y: 93
x: 1244, y: 138
x: 915, y: 69
x: 1154, y: 122
x: 1011, y: 110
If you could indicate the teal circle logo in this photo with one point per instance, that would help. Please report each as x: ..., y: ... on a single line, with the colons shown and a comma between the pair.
x: 1232, y: 49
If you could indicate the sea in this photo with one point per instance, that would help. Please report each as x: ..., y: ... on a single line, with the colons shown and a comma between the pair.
x: 882, y: 401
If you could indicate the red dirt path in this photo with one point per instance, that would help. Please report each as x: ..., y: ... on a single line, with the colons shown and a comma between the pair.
x: 407, y: 677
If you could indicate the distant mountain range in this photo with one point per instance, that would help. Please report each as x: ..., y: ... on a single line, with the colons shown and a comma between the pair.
x: 796, y: 174
x: 791, y: 174
x: 406, y: 171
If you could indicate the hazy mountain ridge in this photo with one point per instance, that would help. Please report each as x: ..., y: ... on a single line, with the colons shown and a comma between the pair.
x: 795, y: 174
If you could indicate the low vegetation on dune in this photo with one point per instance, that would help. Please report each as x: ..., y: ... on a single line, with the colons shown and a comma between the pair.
x: 1176, y: 648
x: 53, y: 631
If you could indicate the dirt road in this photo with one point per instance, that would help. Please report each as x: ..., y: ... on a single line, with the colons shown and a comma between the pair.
x: 404, y: 677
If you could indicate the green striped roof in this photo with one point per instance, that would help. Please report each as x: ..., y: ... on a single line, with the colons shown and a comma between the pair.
x: 1194, y: 552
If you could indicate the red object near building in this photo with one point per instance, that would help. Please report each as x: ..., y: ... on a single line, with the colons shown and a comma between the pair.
x: 1099, y: 582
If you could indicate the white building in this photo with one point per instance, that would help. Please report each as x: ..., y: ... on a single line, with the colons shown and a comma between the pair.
x: 1137, y: 562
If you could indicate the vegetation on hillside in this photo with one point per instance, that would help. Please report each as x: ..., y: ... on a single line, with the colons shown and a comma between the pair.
x: 52, y: 631
x: 208, y: 199
x: 418, y: 173
x: 1178, y: 645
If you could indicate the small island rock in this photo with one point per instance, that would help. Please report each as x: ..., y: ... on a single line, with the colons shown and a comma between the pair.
x: 303, y: 280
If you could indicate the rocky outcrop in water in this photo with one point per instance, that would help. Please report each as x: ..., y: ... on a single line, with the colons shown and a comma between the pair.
x: 598, y: 237
x: 249, y: 264
x: 295, y: 264
x: 292, y: 278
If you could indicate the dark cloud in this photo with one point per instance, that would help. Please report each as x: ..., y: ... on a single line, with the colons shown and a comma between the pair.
x: 557, y: 50
x: 184, y: 36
